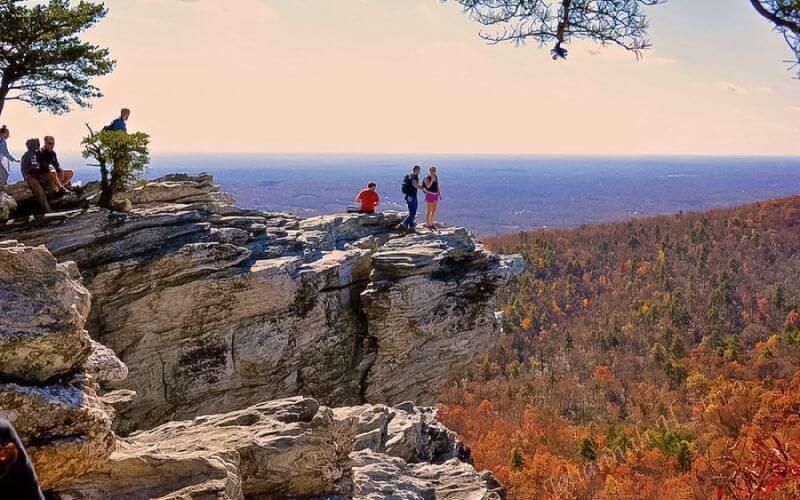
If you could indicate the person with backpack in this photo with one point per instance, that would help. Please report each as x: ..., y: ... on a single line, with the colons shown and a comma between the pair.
x: 410, y: 188
x: 32, y: 174
x: 120, y: 125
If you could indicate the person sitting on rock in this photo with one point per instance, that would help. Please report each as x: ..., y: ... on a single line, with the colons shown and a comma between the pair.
x: 32, y: 174
x: 369, y: 199
x: 57, y: 180
x: 17, y: 477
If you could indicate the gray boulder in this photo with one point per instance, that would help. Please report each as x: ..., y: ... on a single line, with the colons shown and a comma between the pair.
x: 44, y: 310
x: 280, y: 449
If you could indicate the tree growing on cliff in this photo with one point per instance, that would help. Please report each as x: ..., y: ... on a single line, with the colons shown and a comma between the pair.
x: 122, y: 159
x: 614, y: 22
x: 43, y: 62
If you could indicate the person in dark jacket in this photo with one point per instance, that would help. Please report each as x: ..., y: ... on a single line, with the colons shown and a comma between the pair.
x: 17, y: 477
x: 410, y: 188
x: 57, y: 179
x: 31, y: 173
x: 120, y: 124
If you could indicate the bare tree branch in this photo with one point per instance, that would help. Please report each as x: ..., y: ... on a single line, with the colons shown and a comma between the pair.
x: 607, y: 22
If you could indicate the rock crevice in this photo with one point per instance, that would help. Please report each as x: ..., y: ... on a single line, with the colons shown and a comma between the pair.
x: 56, y: 369
x: 214, y: 308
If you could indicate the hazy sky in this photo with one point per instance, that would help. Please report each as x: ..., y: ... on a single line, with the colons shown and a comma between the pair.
x: 403, y: 76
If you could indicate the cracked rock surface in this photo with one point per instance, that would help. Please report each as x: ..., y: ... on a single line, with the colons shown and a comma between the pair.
x: 48, y: 382
x: 292, y: 448
x: 215, y: 308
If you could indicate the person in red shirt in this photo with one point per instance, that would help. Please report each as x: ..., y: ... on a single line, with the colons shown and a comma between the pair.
x: 369, y: 199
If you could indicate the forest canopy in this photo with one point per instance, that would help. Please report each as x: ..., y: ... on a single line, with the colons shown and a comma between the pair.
x: 650, y: 356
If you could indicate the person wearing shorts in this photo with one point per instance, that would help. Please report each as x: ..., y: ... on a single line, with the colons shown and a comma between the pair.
x: 53, y: 178
x: 433, y: 195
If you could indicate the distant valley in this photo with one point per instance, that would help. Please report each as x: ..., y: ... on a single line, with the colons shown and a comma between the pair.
x: 496, y: 194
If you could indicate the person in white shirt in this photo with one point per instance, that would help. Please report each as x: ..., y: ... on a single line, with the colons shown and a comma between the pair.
x: 5, y: 157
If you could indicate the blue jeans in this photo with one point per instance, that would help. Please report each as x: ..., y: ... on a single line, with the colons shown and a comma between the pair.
x: 412, y: 203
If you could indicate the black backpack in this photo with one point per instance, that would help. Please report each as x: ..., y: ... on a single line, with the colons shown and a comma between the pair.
x: 408, y: 186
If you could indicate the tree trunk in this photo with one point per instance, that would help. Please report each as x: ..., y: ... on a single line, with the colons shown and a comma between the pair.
x: 106, y: 192
x: 782, y: 22
x: 4, y: 89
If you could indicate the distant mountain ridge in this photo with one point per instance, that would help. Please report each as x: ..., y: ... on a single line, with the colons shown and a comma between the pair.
x: 492, y: 195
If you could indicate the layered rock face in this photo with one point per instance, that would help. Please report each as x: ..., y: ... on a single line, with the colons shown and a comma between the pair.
x: 7, y: 206
x: 292, y: 448
x: 214, y: 308
x: 49, y: 367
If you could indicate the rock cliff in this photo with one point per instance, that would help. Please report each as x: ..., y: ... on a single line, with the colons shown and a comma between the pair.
x: 292, y: 448
x: 214, y: 308
x: 49, y: 368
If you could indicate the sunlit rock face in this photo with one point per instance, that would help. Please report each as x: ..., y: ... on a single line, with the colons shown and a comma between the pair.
x: 227, y: 320
x: 214, y: 308
x: 292, y: 448
x: 50, y: 375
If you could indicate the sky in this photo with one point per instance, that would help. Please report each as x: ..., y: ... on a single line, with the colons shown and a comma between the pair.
x: 413, y: 76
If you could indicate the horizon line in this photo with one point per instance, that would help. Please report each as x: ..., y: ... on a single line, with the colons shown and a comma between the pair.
x: 451, y: 154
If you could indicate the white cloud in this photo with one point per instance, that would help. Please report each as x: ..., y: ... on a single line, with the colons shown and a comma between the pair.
x: 737, y: 89
x: 733, y: 88
x: 613, y: 53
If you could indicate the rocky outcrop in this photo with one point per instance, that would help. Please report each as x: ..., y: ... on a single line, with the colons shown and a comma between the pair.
x: 292, y: 448
x: 8, y: 206
x: 378, y: 477
x: 45, y: 390
x: 44, y: 310
x: 215, y: 308
x: 430, y: 296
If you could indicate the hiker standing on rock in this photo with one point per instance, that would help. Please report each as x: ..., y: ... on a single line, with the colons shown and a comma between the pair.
x: 5, y: 157
x: 120, y: 124
x: 410, y: 188
x: 433, y: 195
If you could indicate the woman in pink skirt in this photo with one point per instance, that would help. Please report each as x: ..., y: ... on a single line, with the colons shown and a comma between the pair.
x: 433, y: 195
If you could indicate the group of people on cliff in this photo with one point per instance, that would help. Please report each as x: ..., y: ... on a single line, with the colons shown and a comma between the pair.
x: 40, y: 167
x: 369, y: 199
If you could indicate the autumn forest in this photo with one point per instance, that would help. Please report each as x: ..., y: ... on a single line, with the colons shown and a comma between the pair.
x: 656, y: 358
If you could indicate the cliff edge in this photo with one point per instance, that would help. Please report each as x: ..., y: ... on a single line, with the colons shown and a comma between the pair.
x: 267, y: 356
x: 214, y: 308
